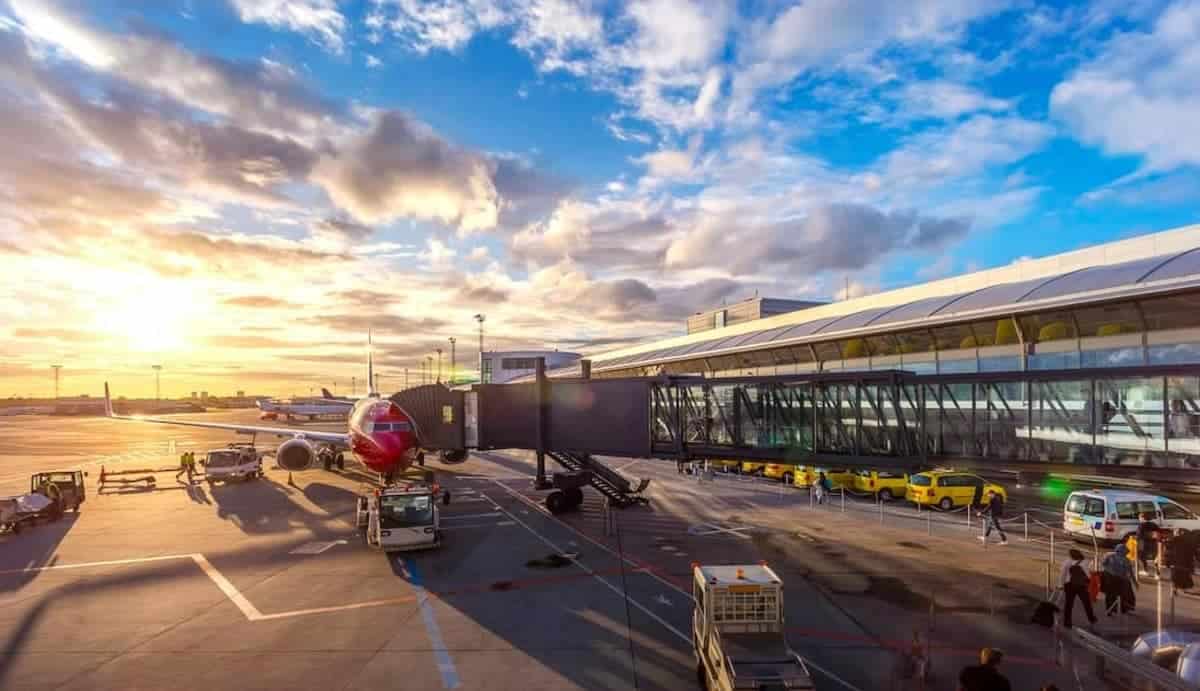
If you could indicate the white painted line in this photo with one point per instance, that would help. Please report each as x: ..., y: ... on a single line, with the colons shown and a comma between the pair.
x: 471, y: 515
x: 226, y: 587
x: 627, y: 465
x: 476, y: 525
x: 316, y: 547
x: 337, y: 608
x: 621, y: 594
x: 441, y: 654
x: 92, y: 564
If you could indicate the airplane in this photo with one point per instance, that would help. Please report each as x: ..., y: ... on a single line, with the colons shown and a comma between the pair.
x: 380, y: 434
x: 312, y: 408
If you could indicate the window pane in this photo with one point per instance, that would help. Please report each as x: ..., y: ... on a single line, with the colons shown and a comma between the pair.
x: 1075, y: 504
x: 828, y: 350
x: 1129, y: 424
x: 919, y: 366
x: 1174, y: 354
x: 1174, y: 312
x: 1000, y: 364
x: 1111, y: 357
x: 1094, y: 507
x: 1065, y: 360
x: 954, y: 337
x: 1054, y: 326
x: 996, y: 332
x: 853, y: 348
x: 915, y: 341
x: 883, y: 345
x: 1108, y: 320
x: 1173, y: 510
x: 1061, y: 428
x: 958, y: 366
x: 1183, y: 422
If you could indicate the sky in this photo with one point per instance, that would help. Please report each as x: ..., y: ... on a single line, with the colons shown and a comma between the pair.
x: 238, y: 190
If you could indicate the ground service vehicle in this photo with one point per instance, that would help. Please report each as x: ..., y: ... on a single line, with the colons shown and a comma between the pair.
x: 885, y: 484
x: 947, y: 489
x: 402, y: 516
x: 738, y: 632
x: 784, y: 472
x: 751, y: 467
x: 1109, y: 515
x: 725, y: 466
x: 66, y: 484
x: 838, y: 477
x: 234, y: 462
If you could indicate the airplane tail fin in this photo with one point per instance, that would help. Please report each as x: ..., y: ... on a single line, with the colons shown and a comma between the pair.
x: 326, y: 394
x: 370, y: 367
x: 108, y: 409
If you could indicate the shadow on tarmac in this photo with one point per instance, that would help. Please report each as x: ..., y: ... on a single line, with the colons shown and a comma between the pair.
x: 37, y: 544
x: 263, y: 506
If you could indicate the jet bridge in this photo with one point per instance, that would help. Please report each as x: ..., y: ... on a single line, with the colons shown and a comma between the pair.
x: 1130, y: 424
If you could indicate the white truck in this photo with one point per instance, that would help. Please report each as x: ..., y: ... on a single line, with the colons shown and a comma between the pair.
x: 235, y: 462
x: 402, y: 516
x: 737, y: 631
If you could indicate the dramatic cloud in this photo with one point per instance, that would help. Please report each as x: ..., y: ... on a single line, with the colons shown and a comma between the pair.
x: 399, y: 167
x: 1139, y: 95
x: 319, y: 19
x: 379, y: 322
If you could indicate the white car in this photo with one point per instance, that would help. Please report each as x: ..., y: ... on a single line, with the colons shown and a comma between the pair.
x: 235, y: 463
x: 1109, y: 515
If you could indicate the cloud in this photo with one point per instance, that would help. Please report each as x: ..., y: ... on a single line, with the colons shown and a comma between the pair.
x: 945, y: 100
x: 318, y: 19
x: 829, y: 238
x: 399, y: 167
x: 1138, y: 95
x: 55, y: 334
x: 967, y: 148
x: 626, y: 236
x: 368, y: 299
x: 250, y: 341
x: 259, y: 95
x: 343, y: 229
x: 258, y: 301
x: 380, y: 322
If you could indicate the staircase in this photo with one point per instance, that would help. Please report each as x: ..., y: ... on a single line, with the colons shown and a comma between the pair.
x: 608, y: 482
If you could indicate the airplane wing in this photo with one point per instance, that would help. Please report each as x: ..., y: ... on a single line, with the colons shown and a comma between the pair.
x: 335, y: 438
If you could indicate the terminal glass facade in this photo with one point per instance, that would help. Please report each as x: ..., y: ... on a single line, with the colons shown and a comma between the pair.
x: 1147, y: 418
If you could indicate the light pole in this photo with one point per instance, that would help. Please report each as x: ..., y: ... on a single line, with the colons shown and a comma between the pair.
x: 481, y: 318
x: 428, y: 368
x: 453, y: 360
x: 56, y: 369
x: 439, y: 366
x: 353, y: 386
x: 157, y: 381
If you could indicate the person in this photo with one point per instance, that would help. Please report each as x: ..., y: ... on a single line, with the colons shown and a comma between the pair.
x: 1181, y: 557
x: 994, y: 511
x: 1074, y: 579
x: 183, y: 466
x: 984, y: 676
x: 1147, y: 538
x: 1117, y: 579
x: 822, y: 487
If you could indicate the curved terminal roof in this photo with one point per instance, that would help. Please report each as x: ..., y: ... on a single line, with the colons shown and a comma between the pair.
x: 1079, y: 285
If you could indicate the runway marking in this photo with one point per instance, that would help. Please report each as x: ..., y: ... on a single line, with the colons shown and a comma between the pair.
x: 477, y: 525
x: 223, y: 584
x: 471, y: 515
x: 316, y: 547
x: 698, y: 530
x: 627, y: 465
x: 444, y: 663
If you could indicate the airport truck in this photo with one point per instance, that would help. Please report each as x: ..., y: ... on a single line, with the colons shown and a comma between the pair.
x: 235, y: 462
x: 737, y: 631
x: 402, y: 516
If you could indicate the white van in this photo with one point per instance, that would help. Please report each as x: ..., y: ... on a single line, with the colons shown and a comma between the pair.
x: 1109, y: 515
x: 233, y: 463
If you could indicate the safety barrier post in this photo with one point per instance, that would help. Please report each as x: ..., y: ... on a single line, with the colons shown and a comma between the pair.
x: 929, y: 523
x: 1158, y: 613
x: 982, y: 528
x: 881, y: 512
x: 968, y: 512
x: 1026, y: 515
x: 1049, y: 584
x: 1051, y: 546
x: 843, y: 500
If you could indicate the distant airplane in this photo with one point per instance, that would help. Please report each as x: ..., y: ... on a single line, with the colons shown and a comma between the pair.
x: 311, y: 408
x: 379, y: 433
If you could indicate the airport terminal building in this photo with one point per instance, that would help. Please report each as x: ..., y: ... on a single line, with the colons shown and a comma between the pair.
x: 1091, y: 356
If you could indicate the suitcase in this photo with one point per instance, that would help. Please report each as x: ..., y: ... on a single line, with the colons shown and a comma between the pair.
x: 1043, y: 614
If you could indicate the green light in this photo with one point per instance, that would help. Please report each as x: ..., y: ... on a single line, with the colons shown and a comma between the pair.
x: 1055, y: 488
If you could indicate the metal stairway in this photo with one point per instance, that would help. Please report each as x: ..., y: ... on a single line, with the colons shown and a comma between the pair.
x: 608, y: 482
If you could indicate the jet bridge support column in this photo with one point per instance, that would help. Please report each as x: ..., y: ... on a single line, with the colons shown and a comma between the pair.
x: 541, y: 385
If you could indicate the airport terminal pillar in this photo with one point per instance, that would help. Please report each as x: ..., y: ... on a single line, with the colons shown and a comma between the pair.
x: 585, y: 368
x: 539, y: 371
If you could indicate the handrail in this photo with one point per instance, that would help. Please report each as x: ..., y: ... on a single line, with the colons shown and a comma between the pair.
x: 1109, y: 653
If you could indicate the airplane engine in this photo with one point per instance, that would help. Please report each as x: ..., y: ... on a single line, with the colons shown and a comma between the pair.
x: 296, y: 454
x: 453, y: 457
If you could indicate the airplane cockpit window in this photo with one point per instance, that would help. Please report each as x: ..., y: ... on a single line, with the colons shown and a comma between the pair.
x: 405, y: 511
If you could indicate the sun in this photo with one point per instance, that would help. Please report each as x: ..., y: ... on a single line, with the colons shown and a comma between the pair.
x: 151, y: 314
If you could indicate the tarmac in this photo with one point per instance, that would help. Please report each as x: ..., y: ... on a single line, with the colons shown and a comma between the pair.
x: 266, y: 584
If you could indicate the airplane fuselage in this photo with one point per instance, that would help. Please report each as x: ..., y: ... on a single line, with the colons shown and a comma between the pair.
x: 382, y: 436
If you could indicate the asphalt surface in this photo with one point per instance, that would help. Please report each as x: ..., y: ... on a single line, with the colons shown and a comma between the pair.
x: 266, y: 584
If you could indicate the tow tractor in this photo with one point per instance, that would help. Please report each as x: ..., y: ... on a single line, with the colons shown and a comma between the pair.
x: 404, y: 515
x: 737, y: 631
